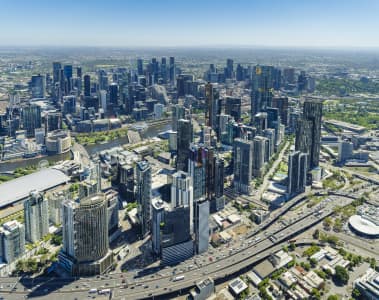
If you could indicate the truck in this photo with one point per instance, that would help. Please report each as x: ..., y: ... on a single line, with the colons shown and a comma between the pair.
x: 92, y: 291
x: 104, y: 292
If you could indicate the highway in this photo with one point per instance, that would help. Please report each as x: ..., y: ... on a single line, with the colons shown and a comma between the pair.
x: 227, y: 261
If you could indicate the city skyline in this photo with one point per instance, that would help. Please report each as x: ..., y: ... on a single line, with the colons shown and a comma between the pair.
x: 325, y: 24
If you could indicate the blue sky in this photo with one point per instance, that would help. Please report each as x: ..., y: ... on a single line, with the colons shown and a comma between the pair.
x: 299, y: 23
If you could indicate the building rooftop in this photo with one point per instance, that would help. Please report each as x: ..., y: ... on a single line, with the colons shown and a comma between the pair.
x: 237, y: 286
x: 364, y: 226
x: 19, y: 188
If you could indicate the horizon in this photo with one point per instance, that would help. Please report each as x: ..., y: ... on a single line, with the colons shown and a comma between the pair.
x: 241, y: 23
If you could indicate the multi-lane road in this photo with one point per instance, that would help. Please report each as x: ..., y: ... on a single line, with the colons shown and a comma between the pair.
x: 226, y: 262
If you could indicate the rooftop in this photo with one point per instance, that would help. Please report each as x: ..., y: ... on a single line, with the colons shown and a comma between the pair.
x: 19, y: 188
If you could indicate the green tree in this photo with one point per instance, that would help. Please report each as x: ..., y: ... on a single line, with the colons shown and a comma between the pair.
x: 333, y: 297
x: 356, y: 294
x: 341, y: 275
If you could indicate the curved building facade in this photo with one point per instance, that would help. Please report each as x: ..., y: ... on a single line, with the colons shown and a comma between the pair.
x: 85, y: 236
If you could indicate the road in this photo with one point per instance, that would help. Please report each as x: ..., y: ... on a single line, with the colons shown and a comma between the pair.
x: 225, y: 262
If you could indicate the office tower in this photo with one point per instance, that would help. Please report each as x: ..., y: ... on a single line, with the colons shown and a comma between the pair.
x: 271, y: 135
x: 79, y: 72
x: 172, y: 74
x: 178, y: 112
x: 158, y: 208
x: 240, y: 73
x: 229, y: 68
x: 57, y: 66
x: 276, y: 79
x: 281, y: 103
x: 184, y: 139
x: 87, y: 85
x: 261, y: 90
x: 85, y: 250
x: 182, y: 193
x: 176, y: 241
x: 12, y: 241
x: 36, y: 215
x: 345, y: 151
x: 273, y: 117
x: 158, y: 110
x: 111, y: 197
x: 233, y: 107
x: 259, y: 155
x: 243, y: 165
x: 125, y: 176
x: 67, y: 72
x: 308, y: 131
x: 297, y: 172
x: 260, y: 121
x: 38, y: 86
x: 218, y: 202
x: 201, y: 169
x: 289, y: 75
x: 103, y: 100
x: 69, y: 104
x: 102, y: 80
x: 139, y: 66
x: 201, y: 225
x: 143, y: 195
x: 113, y: 94
x: 210, y: 103
x: 302, y: 81
x: 53, y: 121
x: 31, y: 119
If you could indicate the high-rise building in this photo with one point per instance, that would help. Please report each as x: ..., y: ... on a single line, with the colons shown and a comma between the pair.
x: 243, y: 165
x: 345, y: 151
x: 201, y: 169
x: 229, y: 68
x: 158, y: 208
x: 182, y: 193
x: 143, y: 195
x: 85, y: 250
x: 218, y: 202
x: 172, y: 70
x: 139, y: 66
x: 57, y: 66
x: 79, y: 72
x: 281, y: 103
x: 308, y: 131
x: 53, y: 121
x: 289, y: 75
x: 113, y: 94
x: 211, y: 106
x: 178, y: 112
x: 87, y: 85
x: 12, y: 241
x: 184, y: 139
x: 297, y: 172
x: 201, y: 224
x: 262, y: 89
x: 259, y: 155
x: 36, y: 215
x: 233, y: 107
x: 38, y: 86
x: 31, y: 119
x: 260, y: 121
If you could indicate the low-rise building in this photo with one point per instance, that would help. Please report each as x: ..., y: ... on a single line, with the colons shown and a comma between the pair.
x: 368, y: 284
x: 202, y: 290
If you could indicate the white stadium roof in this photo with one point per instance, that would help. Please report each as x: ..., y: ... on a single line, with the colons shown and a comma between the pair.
x: 363, y: 225
x: 19, y: 188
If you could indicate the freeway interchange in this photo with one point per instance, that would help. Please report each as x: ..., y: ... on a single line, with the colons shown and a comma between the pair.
x: 269, y: 238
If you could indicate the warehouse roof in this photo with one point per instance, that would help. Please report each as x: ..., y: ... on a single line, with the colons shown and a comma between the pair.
x: 19, y: 188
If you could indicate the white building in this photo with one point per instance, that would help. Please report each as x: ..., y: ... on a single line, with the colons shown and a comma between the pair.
x: 36, y: 213
x: 158, y: 110
x: 12, y: 241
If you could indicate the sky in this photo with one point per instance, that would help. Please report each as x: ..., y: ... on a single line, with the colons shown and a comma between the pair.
x: 194, y: 23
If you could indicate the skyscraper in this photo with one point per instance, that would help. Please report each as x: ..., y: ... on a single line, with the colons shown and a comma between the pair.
x: 85, y: 250
x: 243, y: 165
x: 308, y: 131
x: 12, y: 241
x: 57, y: 66
x: 211, y: 106
x: 297, y: 172
x: 182, y: 193
x: 218, y: 202
x: 31, y: 119
x: 262, y: 89
x: 87, y: 85
x: 201, y: 225
x: 38, y: 86
x: 172, y: 74
x: 229, y: 68
x: 36, y: 215
x: 184, y: 139
x: 178, y: 112
x: 139, y: 66
x: 113, y: 94
x: 259, y: 155
x: 143, y: 195
x: 158, y: 208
